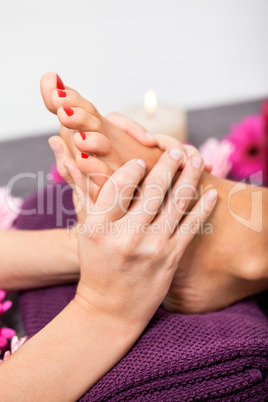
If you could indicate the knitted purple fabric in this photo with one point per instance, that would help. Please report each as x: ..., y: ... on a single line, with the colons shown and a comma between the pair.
x: 221, y: 355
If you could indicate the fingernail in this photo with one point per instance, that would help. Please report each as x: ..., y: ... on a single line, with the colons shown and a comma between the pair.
x: 176, y: 154
x: 197, y: 161
x: 149, y: 136
x: 212, y: 194
x: 141, y: 163
x: 60, y: 84
x: 84, y: 156
x: 56, y: 147
x: 83, y: 135
x: 68, y: 110
x: 61, y: 93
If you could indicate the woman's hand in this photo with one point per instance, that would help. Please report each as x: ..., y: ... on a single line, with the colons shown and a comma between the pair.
x: 129, y: 249
x: 164, y: 142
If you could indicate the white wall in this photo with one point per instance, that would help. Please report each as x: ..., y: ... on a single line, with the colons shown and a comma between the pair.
x: 191, y: 52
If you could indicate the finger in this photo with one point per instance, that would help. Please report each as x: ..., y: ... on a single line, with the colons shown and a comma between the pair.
x: 180, y: 195
x: 75, y: 174
x: 62, y: 154
x: 81, y: 195
x: 132, y: 128
x: 166, y: 143
x: 186, y: 231
x: 155, y: 186
x: 116, y: 194
x: 208, y: 167
x: 191, y: 150
x: 95, y: 169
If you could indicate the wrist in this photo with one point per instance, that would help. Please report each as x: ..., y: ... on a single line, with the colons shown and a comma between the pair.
x: 111, y: 311
x: 70, y: 240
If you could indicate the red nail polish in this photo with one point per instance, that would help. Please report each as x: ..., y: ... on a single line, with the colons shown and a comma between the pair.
x: 83, y: 135
x: 60, y: 84
x: 61, y: 93
x: 84, y: 156
x: 68, y: 110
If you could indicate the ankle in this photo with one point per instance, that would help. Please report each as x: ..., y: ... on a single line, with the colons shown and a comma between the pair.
x: 247, y: 216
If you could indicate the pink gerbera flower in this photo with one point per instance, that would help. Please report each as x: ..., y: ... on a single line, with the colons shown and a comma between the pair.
x: 217, y: 154
x: 248, y: 140
x: 15, y: 344
x: 6, y: 305
x: 5, y: 334
x: 9, y: 208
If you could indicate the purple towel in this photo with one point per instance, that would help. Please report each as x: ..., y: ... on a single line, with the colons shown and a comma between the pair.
x: 221, y: 355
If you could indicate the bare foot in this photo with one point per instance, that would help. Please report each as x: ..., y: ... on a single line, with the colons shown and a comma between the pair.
x: 220, y: 266
x: 84, y: 116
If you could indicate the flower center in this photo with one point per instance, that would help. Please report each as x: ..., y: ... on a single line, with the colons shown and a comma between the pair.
x: 253, y: 151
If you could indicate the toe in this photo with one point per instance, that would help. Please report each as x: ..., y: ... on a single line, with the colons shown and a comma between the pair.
x: 68, y: 97
x: 79, y: 119
x: 93, y: 143
x: 47, y: 85
x: 56, y: 94
x: 99, y: 145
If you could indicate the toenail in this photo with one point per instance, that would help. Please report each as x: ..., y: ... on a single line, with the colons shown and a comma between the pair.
x: 83, y: 135
x: 84, y: 156
x: 61, y: 93
x: 68, y: 110
x: 60, y: 84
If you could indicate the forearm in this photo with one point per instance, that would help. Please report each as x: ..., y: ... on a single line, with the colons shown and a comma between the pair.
x: 37, y: 258
x: 67, y: 357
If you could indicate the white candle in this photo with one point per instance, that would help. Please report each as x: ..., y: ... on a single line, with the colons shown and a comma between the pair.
x: 159, y: 119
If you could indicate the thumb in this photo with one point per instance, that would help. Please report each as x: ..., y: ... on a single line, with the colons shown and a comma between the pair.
x: 132, y: 128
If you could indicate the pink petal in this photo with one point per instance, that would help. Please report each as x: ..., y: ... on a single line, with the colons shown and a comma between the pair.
x: 16, y: 344
x: 3, y: 342
x: 2, y: 295
x: 13, y: 343
x: 7, y: 355
x: 7, y: 332
x: 5, y: 306
x: 217, y: 154
x: 22, y: 340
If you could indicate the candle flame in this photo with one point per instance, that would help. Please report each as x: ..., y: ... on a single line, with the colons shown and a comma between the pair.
x: 150, y: 102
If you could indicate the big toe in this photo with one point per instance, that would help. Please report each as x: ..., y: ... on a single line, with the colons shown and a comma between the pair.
x: 48, y: 83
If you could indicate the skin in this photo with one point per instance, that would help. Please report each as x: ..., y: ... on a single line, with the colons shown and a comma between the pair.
x: 56, y: 262
x: 111, y: 307
x: 210, y: 275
